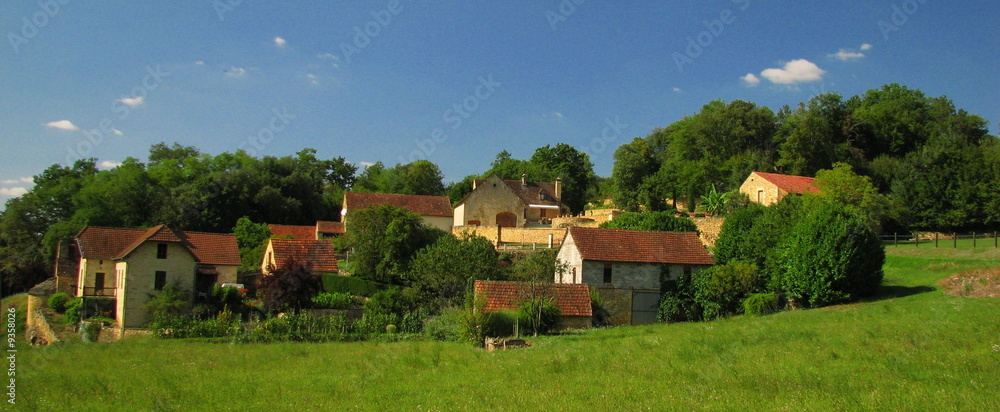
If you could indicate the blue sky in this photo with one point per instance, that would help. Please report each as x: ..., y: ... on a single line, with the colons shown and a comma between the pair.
x: 452, y: 82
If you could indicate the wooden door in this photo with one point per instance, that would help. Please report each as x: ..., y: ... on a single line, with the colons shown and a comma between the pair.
x: 507, y: 219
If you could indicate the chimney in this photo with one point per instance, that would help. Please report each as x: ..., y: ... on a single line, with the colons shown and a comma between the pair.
x: 524, y: 179
x: 559, y: 189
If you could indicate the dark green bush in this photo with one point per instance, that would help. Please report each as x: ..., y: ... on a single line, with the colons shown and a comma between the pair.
x: 74, y: 311
x: 392, y: 301
x: 760, y: 304
x: 413, y: 321
x: 720, y: 289
x: 658, y: 221
x: 675, y: 308
x: 539, y: 315
x: 502, y: 323
x: 57, y: 302
x: 830, y: 256
x: 445, y: 327
x: 351, y: 285
x: 336, y: 300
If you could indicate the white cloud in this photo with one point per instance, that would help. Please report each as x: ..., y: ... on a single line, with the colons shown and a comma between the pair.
x: 750, y: 80
x: 109, y: 164
x: 328, y: 56
x: 557, y: 114
x: 866, y: 46
x: 794, y: 72
x: 367, y: 164
x: 676, y: 89
x: 312, y: 78
x: 117, y: 132
x: 133, y: 101
x: 13, y: 192
x: 235, y: 72
x: 199, y: 63
x: 844, y: 55
x: 280, y: 42
x: 16, y: 181
x: 62, y: 125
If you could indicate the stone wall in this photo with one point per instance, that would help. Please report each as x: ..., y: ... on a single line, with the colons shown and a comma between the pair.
x: 575, y: 221
x: 38, y: 330
x: 514, y: 235
x: 709, y: 228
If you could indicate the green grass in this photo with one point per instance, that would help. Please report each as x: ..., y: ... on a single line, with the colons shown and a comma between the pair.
x: 914, y: 348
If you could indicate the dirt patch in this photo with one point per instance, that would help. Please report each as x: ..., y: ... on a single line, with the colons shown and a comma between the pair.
x: 979, y: 283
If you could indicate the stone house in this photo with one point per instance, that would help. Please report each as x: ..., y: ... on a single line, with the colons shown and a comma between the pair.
x: 317, y: 255
x: 634, y: 261
x: 769, y: 188
x: 510, y: 203
x: 435, y: 210
x: 572, y: 300
x: 124, y: 266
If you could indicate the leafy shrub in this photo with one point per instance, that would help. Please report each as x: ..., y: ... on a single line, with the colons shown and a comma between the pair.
x: 74, y: 311
x: 413, y: 321
x: 335, y: 300
x: 392, y: 301
x: 374, y: 324
x: 333, y: 283
x: 539, y: 315
x: 228, y: 296
x: 91, y: 332
x: 830, y: 256
x: 445, y: 327
x: 171, y: 301
x: 290, y: 286
x: 301, y: 327
x: 658, y: 221
x: 760, y: 304
x: 720, y: 289
x: 675, y: 308
x: 58, y: 302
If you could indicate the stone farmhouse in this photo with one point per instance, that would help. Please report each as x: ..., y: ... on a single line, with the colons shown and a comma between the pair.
x: 435, y: 210
x: 769, y: 188
x: 573, y: 300
x: 628, y: 267
x: 317, y: 255
x: 510, y: 203
x: 121, y: 267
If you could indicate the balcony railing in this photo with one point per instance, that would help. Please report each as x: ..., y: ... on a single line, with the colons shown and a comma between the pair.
x: 99, y: 292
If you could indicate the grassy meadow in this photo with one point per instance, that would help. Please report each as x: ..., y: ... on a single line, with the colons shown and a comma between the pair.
x: 914, y: 348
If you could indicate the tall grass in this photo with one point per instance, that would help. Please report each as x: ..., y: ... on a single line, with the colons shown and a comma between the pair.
x: 914, y: 348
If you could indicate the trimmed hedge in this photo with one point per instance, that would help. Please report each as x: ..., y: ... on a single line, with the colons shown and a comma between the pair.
x: 333, y: 283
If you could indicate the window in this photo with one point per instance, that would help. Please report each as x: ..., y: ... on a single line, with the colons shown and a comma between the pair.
x: 160, y: 281
x: 607, y: 273
x: 687, y: 271
x: 574, y: 276
x: 161, y: 251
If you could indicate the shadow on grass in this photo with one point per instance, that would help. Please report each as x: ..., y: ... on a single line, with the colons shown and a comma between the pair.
x: 893, y: 292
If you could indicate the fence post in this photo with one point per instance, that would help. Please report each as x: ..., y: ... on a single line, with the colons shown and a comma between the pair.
x: 973, y: 240
x: 916, y: 239
x: 994, y: 240
x: 936, y: 239
x: 895, y: 239
x: 954, y: 240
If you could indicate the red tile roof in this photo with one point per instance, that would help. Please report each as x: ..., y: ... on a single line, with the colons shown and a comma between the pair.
x: 105, y: 242
x: 619, y: 245
x: 318, y: 255
x: 295, y: 232
x: 571, y: 299
x: 789, y: 183
x: 421, y: 205
x: 330, y: 227
x: 116, y: 243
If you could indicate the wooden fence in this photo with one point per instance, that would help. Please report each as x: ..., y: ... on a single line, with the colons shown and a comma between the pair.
x: 952, y: 240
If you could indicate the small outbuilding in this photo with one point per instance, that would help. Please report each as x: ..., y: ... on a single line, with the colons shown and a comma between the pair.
x: 769, y: 188
x: 573, y: 301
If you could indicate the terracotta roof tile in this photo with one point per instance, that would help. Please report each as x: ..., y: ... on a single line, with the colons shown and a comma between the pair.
x: 318, y: 255
x: 421, y: 205
x: 790, y: 183
x: 618, y: 245
x: 571, y: 299
x: 296, y: 232
x: 116, y: 243
x: 330, y: 227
